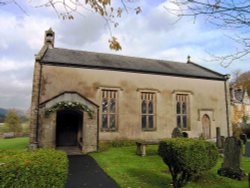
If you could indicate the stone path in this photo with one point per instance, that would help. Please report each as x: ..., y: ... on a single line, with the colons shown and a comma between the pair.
x: 85, y: 172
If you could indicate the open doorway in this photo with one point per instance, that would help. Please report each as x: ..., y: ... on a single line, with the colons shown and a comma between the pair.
x: 69, y: 128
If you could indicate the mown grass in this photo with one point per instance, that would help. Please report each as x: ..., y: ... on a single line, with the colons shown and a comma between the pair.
x: 130, y: 170
x: 14, y: 143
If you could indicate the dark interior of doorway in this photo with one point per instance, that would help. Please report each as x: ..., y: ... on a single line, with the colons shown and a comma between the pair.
x: 69, y: 128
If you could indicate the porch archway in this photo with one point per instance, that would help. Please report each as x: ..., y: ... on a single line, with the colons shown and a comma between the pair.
x: 71, y: 121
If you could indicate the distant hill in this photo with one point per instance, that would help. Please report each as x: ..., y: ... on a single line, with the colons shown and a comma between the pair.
x: 3, y: 111
x: 21, y: 113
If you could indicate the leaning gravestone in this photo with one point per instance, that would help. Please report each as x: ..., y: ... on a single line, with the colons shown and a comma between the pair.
x: 232, y: 157
x: 177, y: 133
x: 247, y: 149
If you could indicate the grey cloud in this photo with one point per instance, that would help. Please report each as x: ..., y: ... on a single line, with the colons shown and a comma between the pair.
x: 80, y: 31
x: 159, y: 20
x: 19, y: 51
x: 18, y: 101
x: 15, y: 88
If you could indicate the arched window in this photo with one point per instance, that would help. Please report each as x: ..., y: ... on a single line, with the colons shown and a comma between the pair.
x: 182, y: 111
x: 109, y: 110
x: 148, y: 110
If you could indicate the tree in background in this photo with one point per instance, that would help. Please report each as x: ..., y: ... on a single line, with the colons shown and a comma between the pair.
x: 242, y: 80
x: 232, y: 16
x: 2, y: 118
x: 13, y: 122
x: 241, y: 112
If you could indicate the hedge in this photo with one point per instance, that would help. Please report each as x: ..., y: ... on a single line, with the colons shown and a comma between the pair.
x: 187, y: 157
x: 35, y: 168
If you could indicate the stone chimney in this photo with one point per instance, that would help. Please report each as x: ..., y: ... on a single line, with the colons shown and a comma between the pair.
x: 188, y: 59
x: 49, y: 38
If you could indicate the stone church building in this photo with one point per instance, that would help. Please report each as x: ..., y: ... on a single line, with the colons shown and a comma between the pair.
x: 84, y: 98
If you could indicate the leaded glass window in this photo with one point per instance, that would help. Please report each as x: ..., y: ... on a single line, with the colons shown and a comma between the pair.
x: 109, y: 110
x: 182, y: 110
x: 148, y: 112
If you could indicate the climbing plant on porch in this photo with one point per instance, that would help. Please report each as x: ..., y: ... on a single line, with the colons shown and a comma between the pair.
x: 63, y: 105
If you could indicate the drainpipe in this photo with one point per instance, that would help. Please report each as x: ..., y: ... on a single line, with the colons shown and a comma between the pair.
x: 97, y: 137
x: 226, y: 101
x: 38, y: 103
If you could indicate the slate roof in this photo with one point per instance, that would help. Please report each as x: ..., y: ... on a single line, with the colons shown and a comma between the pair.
x: 66, y: 57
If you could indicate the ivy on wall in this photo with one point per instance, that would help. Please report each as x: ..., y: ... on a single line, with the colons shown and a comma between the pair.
x: 64, y: 105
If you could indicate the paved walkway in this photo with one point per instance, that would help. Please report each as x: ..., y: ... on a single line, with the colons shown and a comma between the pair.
x: 85, y: 172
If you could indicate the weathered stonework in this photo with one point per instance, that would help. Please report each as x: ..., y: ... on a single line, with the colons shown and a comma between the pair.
x: 90, y: 133
x: 47, y: 136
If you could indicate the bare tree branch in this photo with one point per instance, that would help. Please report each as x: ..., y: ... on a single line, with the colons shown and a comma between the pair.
x: 233, y: 15
x: 104, y: 8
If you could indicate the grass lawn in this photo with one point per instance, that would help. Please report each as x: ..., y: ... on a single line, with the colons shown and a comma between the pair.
x: 14, y: 143
x: 130, y: 170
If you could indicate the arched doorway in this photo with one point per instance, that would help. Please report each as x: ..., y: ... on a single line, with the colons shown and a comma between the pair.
x: 206, y: 126
x: 69, y: 128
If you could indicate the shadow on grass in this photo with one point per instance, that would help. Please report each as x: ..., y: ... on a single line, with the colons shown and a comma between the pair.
x: 151, y: 178
x: 151, y: 152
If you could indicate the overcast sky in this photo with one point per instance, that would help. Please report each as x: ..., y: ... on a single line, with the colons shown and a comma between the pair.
x: 152, y: 34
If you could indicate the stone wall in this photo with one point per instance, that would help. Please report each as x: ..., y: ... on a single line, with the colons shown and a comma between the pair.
x: 205, y: 96
x: 90, y: 133
x: 35, y: 98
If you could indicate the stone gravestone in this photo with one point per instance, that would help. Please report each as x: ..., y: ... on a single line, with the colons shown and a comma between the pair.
x: 8, y: 135
x: 247, y: 149
x: 243, y: 137
x: 232, y: 157
x: 177, y: 133
x: 222, y: 141
x: 218, y: 138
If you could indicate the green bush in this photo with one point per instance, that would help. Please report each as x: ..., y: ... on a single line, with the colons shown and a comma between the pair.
x: 35, y: 168
x: 187, y: 158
